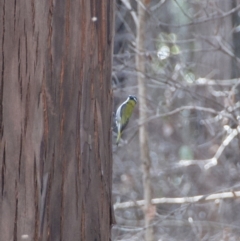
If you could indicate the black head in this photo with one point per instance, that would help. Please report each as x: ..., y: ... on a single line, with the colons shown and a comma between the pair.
x: 132, y: 97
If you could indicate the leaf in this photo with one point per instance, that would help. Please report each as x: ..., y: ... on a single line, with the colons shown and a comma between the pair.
x: 175, y: 50
x: 186, y: 153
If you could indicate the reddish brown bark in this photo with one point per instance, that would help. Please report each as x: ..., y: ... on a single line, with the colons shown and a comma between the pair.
x: 55, y: 119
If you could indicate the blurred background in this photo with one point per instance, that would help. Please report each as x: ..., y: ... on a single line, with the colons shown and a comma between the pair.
x: 191, y: 56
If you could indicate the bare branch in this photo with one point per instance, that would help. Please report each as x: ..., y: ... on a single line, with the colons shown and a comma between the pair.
x: 204, y: 109
x: 208, y: 163
x: 132, y: 12
x: 180, y: 200
x: 225, y: 143
x: 205, y: 81
x: 211, y: 18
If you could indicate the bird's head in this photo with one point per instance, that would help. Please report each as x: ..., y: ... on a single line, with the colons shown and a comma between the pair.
x: 132, y: 97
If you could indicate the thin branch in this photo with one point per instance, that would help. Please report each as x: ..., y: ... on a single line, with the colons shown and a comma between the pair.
x: 180, y: 200
x: 205, y: 81
x: 183, y: 11
x: 225, y: 143
x: 226, y: 14
x: 157, y: 5
x: 208, y: 163
x: 132, y: 12
x: 221, y: 46
x: 204, y: 109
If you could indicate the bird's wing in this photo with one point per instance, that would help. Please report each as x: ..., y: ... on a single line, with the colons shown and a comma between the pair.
x: 124, y: 125
x: 127, y: 108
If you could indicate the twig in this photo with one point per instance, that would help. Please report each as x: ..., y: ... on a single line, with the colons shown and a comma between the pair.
x: 226, y: 14
x: 177, y: 110
x: 132, y: 12
x: 208, y: 163
x: 179, y: 200
x: 225, y: 143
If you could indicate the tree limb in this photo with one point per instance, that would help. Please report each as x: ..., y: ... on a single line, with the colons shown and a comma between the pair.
x: 179, y: 200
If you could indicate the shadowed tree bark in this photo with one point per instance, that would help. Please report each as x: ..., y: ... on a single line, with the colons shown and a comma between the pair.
x: 55, y: 119
x: 236, y: 45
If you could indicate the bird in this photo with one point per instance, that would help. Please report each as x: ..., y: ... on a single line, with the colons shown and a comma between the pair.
x: 123, y: 114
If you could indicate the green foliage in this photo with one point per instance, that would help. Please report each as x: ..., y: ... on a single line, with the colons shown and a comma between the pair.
x: 185, y: 153
x: 166, y: 48
x: 175, y: 49
x: 189, y: 77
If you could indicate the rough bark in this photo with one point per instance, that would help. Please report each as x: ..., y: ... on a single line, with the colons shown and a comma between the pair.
x: 55, y: 119
x: 236, y: 46
x: 143, y: 133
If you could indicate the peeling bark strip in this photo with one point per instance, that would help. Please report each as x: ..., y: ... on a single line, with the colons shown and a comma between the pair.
x: 55, y: 119
x: 16, y: 212
x: 3, y: 168
x: 2, y: 71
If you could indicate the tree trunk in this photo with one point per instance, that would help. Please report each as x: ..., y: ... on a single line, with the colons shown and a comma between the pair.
x: 143, y: 134
x: 55, y: 119
x: 235, y: 73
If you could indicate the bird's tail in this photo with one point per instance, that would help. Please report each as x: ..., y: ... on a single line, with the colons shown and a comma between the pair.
x: 118, y: 137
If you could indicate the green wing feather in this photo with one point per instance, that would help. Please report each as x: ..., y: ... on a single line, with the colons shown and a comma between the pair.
x: 126, y: 113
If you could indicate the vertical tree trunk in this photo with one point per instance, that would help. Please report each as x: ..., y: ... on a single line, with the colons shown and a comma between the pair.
x: 143, y: 134
x: 55, y: 119
x: 236, y: 46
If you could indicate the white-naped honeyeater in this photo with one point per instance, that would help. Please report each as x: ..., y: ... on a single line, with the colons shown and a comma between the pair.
x: 123, y: 115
